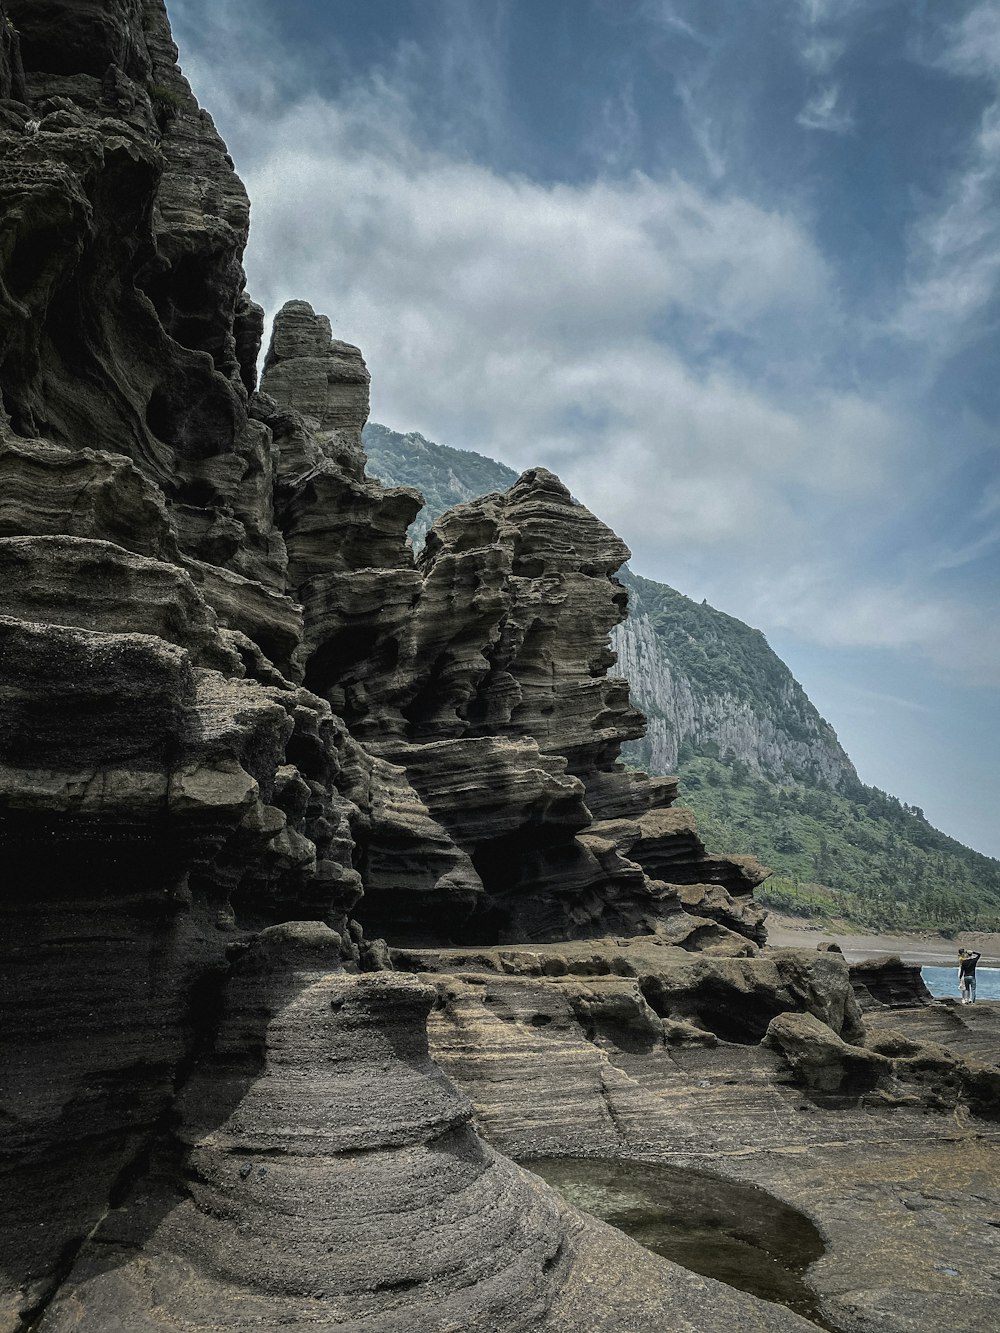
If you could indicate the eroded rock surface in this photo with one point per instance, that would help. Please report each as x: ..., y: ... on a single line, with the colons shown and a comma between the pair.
x: 329, y: 1169
x: 256, y: 760
x: 758, y: 1070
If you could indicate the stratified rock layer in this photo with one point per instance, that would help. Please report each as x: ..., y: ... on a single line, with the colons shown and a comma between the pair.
x: 232, y: 698
x: 245, y: 735
x: 757, y: 1070
x: 325, y: 1173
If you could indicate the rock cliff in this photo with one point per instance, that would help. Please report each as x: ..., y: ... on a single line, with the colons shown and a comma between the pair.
x: 707, y: 680
x: 232, y: 698
x: 250, y: 746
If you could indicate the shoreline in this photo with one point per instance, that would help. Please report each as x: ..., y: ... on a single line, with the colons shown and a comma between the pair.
x: 922, y: 948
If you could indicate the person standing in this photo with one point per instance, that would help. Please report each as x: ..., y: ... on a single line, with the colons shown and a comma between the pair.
x: 967, y: 960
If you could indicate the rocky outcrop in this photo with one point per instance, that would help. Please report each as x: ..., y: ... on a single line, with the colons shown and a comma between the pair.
x: 321, y: 1134
x: 232, y: 698
x: 760, y: 1072
x: 888, y: 982
x: 257, y: 760
x: 480, y: 671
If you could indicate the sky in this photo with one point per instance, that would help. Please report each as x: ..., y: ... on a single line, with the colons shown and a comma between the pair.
x: 731, y: 268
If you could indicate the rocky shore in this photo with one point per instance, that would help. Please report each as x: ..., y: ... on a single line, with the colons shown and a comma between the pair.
x: 327, y: 897
x: 923, y: 948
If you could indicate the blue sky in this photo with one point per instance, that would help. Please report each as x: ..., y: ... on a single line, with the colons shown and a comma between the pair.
x: 730, y: 267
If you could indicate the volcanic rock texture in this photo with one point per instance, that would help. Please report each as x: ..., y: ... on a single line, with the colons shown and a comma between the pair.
x: 248, y: 742
x: 230, y: 698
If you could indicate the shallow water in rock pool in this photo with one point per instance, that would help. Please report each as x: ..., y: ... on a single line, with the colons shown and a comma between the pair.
x: 738, y: 1234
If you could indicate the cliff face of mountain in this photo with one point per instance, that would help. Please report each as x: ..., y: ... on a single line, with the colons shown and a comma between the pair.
x: 709, y: 681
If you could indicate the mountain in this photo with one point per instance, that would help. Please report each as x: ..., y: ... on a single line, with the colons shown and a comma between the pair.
x: 443, y: 475
x: 762, y: 770
x: 705, y: 680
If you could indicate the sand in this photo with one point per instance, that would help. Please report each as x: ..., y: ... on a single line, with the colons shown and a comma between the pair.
x: 924, y: 947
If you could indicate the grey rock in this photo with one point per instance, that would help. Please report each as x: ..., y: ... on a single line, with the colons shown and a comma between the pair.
x: 240, y: 723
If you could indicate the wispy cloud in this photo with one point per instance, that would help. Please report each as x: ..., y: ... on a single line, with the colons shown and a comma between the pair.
x: 661, y: 344
x: 668, y: 13
x: 824, y: 111
x: 813, y: 603
x: 822, y: 43
x: 614, y: 141
x: 978, y: 539
x: 703, y: 126
x: 973, y: 44
x: 955, y: 249
x: 821, y: 53
x: 968, y: 553
x: 954, y: 268
x: 873, y: 701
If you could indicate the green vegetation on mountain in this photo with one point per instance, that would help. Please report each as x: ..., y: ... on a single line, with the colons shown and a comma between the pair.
x: 704, y: 677
x: 444, y: 476
x: 717, y: 653
x: 863, y: 857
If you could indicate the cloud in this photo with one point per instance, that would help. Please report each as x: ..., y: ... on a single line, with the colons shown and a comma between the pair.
x: 819, y: 13
x: 978, y: 538
x: 663, y: 346
x: 973, y: 44
x: 822, y: 53
x: 613, y: 144
x: 813, y: 603
x: 954, y: 247
x: 565, y: 323
x: 824, y: 112
x: 815, y: 12
x: 826, y: 28
x: 665, y: 12
x: 872, y: 702
x: 703, y: 126
x: 882, y: 615
x: 967, y: 553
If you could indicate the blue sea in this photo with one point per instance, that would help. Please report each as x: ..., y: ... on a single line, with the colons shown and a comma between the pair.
x: 943, y: 981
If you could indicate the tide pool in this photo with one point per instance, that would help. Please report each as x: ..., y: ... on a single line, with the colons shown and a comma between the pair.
x: 942, y: 982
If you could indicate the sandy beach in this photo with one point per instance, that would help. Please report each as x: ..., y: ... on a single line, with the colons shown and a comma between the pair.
x: 924, y: 947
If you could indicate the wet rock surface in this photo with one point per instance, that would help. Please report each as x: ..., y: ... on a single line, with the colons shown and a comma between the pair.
x: 258, y: 762
x: 737, y: 1233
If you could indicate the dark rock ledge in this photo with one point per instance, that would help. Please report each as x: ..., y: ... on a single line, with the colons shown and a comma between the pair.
x: 257, y: 762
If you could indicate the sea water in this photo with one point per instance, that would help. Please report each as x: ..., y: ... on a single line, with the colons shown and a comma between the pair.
x: 943, y: 982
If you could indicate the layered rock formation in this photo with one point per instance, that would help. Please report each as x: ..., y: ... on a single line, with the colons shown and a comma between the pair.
x: 703, y: 679
x: 246, y: 738
x: 760, y: 1071
x: 231, y: 697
